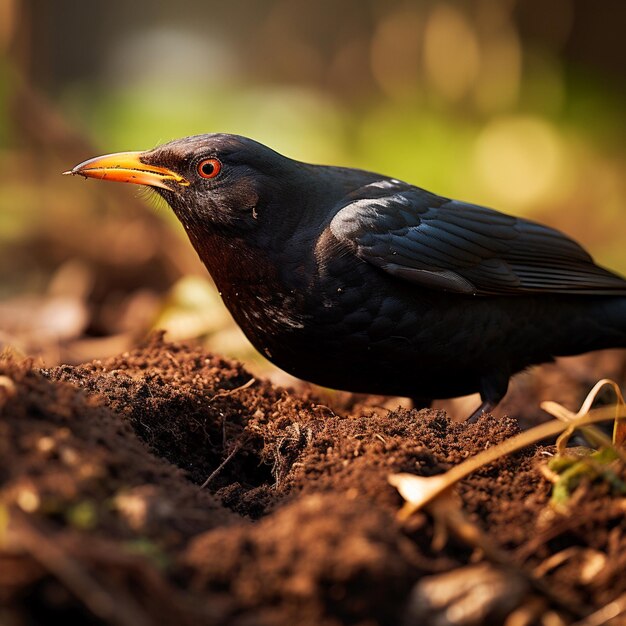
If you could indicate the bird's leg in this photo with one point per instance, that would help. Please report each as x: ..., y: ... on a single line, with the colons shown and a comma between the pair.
x: 492, y: 389
x: 421, y: 403
x: 485, y: 407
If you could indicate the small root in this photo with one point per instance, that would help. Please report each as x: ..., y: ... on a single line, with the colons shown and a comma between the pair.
x: 221, y: 466
x: 229, y: 392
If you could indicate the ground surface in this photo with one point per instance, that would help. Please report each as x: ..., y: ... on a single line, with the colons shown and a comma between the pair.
x: 167, y: 486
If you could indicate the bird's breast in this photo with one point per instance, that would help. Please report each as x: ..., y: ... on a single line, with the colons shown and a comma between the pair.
x: 264, y: 293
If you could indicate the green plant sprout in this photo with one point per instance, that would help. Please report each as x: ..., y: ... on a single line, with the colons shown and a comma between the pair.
x: 569, y: 466
x: 437, y: 495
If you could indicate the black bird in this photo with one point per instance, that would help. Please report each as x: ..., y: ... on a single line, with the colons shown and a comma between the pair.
x: 361, y: 282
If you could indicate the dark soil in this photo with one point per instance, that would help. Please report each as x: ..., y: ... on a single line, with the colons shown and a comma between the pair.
x: 167, y: 486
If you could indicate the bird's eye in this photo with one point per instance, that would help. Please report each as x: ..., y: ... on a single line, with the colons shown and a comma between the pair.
x: 209, y: 168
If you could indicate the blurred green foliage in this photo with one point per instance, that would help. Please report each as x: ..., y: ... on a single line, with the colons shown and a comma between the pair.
x: 516, y: 105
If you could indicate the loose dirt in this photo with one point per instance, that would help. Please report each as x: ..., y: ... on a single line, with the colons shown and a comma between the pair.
x: 168, y: 486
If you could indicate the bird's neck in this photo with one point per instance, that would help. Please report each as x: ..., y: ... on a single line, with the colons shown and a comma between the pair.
x: 232, y: 262
x: 262, y: 293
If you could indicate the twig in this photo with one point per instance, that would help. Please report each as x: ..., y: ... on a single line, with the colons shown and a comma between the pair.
x: 221, y: 466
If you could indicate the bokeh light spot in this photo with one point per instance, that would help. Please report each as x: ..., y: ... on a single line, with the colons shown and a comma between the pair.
x: 395, y: 54
x: 518, y: 159
x: 451, y: 53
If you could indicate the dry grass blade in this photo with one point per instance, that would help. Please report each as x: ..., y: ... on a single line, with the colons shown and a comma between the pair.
x: 595, y: 436
x: 435, y: 492
x: 420, y: 490
x: 570, y: 465
x: 606, y: 614
x: 229, y: 392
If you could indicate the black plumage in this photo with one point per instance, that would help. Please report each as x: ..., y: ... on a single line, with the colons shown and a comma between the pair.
x: 358, y: 281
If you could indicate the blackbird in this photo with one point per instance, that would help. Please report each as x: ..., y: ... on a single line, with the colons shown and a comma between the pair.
x: 357, y: 281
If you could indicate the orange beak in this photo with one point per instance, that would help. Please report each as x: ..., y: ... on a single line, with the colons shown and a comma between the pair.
x: 127, y: 167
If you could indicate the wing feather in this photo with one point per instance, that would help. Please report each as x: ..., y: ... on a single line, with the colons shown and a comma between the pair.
x: 465, y: 248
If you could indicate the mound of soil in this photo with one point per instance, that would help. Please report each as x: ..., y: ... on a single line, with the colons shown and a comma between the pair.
x: 168, y: 486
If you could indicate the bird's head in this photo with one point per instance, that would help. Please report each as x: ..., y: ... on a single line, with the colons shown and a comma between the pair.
x: 218, y: 181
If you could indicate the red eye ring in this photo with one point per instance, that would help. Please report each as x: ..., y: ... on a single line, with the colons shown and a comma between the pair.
x: 209, y: 168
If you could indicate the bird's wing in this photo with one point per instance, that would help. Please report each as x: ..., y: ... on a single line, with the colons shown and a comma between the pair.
x: 464, y: 248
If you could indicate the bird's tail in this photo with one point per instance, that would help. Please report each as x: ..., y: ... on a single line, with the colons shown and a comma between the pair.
x: 596, y: 327
x: 610, y: 321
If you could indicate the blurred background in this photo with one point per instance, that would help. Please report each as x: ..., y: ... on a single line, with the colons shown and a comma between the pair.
x: 514, y: 104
